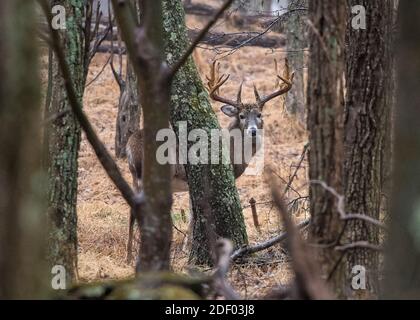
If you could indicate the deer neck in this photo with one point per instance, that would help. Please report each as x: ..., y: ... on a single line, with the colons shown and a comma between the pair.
x: 239, y: 168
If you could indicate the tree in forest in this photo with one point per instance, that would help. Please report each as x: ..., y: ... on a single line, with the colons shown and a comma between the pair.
x: 62, y: 139
x: 402, y: 268
x: 325, y: 110
x: 128, y: 117
x: 297, y: 43
x: 366, y: 126
x: 212, y: 183
x: 22, y: 223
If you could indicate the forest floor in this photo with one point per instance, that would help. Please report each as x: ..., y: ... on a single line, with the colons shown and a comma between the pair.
x: 103, y: 214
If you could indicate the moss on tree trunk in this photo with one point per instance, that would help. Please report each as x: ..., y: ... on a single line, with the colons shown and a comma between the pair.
x: 190, y: 103
x: 62, y: 140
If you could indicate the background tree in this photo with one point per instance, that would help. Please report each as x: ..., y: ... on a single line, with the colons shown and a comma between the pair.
x: 189, y: 102
x: 62, y: 140
x: 22, y: 223
x: 297, y: 42
x: 325, y: 109
x: 128, y: 117
x: 402, y: 276
x: 366, y: 125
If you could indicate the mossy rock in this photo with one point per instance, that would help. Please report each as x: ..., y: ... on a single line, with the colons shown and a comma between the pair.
x: 146, y: 286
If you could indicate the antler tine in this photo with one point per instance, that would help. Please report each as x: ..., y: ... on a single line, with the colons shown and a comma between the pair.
x: 214, y: 82
x: 287, y: 79
x: 239, y: 96
x: 256, y: 94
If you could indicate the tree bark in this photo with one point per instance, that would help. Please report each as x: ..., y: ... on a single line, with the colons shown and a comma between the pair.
x: 402, y: 272
x: 145, y: 45
x: 62, y: 140
x: 297, y: 43
x: 22, y: 223
x: 366, y: 125
x: 128, y: 117
x: 213, y: 183
x: 325, y: 109
x: 129, y: 111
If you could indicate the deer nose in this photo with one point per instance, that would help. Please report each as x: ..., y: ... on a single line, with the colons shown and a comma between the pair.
x: 253, y: 131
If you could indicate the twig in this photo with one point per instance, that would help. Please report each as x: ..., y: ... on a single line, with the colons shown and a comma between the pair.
x: 358, y: 244
x: 308, y: 281
x: 100, y: 72
x: 302, y: 157
x: 173, y: 70
x: 341, y: 207
x: 101, y: 152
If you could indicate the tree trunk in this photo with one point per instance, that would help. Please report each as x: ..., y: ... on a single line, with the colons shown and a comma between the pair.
x: 402, y: 276
x: 128, y: 118
x: 62, y: 140
x: 366, y: 126
x: 22, y: 223
x: 213, y: 183
x: 297, y: 43
x: 325, y: 109
x: 145, y: 46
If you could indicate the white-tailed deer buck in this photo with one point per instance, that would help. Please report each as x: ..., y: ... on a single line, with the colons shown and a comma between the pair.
x: 247, y: 118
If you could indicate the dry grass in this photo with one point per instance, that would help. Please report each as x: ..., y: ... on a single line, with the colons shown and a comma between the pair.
x: 103, y: 215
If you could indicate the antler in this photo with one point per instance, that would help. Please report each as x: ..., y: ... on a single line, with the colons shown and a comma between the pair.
x: 287, y: 79
x: 214, y: 82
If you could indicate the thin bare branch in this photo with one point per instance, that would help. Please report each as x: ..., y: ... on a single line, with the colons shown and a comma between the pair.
x: 174, y: 69
x: 358, y: 244
x: 308, y: 281
x: 100, y: 150
x: 341, y: 207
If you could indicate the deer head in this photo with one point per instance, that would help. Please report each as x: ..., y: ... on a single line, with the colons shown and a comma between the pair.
x: 248, y: 116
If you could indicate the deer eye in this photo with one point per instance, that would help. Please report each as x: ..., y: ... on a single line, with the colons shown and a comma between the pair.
x: 259, y: 115
x: 241, y: 116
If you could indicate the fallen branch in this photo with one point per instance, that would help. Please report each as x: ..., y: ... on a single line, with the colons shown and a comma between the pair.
x: 266, y: 244
x: 220, y: 39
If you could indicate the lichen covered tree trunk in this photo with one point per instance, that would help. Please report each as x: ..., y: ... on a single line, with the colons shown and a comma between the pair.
x: 325, y: 109
x: 62, y: 140
x: 368, y: 104
x: 190, y: 103
x: 22, y: 218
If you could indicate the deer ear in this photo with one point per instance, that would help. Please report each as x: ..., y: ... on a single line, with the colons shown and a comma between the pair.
x: 229, y: 110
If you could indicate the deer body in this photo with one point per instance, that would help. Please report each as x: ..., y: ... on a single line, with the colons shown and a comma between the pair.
x: 246, y: 119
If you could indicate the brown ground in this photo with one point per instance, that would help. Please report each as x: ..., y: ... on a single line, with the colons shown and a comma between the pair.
x: 103, y: 215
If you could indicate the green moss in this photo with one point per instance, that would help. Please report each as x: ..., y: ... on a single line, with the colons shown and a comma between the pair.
x: 190, y: 102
